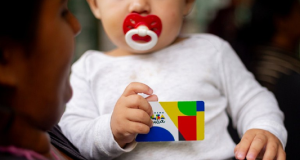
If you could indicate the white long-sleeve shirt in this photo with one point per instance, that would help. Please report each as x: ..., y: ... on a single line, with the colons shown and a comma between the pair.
x: 202, y: 67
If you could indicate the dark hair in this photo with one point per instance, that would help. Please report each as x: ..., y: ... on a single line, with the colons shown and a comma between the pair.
x: 261, y: 27
x: 18, y: 20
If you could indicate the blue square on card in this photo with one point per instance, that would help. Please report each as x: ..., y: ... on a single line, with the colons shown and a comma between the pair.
x: 200, y: 106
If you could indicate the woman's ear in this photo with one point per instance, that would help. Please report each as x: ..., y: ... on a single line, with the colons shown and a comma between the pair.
x: 9, y: 64
x: 95, y: 8
x: 188, y: 6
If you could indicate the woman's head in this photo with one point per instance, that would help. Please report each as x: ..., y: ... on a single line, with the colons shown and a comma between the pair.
x: 18, y: 19
x: 36, y: 49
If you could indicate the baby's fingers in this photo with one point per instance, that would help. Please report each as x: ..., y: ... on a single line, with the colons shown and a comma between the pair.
x: 136, y: 87
x: 271, y: 150
x: 138, y: 102
x: 128, y: 133
x: 244, y: 145
x: 138, y: 128
x: 137, y: 115
x: 152, y: 98
x: 257, y: 146
x: 281, y: 154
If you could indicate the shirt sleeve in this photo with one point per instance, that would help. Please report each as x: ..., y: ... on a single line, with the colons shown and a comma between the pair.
x: 82, y: 124
x: 250, y: 105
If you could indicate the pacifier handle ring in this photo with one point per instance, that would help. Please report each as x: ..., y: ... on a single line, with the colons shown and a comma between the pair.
x: 142, y: 31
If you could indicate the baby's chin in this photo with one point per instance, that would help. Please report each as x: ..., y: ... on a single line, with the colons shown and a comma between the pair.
x: 159, y: 46
x: 142, y: 52
x: 145, y: 52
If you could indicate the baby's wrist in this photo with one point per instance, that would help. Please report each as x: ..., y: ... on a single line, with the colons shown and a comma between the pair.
x: 122, y: 144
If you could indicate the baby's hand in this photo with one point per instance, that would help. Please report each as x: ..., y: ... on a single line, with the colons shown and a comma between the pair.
x: 258, y: 143
x: 131, y: 115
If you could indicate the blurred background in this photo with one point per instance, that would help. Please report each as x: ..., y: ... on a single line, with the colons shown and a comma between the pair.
x: 93, y: 36
x: 264, y: 33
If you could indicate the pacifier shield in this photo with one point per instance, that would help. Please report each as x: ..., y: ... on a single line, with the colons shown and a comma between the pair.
x: 134, y: 20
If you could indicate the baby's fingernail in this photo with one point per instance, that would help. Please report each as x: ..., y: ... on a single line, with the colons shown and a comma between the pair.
x: 250, y: 156
x: 150, y: 91
x: 240, y: 156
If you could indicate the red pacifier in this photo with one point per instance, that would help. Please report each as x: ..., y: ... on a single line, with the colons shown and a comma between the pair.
x: 142, y: 28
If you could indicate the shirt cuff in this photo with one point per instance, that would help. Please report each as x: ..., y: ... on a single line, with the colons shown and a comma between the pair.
x: 273, y: 127
x: 105, y: 141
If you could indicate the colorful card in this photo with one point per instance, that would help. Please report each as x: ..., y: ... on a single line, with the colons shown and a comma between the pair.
x: 176, y: 121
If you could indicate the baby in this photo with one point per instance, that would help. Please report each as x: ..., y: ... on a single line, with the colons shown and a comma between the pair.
x: 106, y: 112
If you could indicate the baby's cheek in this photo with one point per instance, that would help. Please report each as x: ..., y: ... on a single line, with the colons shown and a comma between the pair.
x: 174, y: 23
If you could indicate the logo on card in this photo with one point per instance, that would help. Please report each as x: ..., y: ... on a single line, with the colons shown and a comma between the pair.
x: 158, y: 117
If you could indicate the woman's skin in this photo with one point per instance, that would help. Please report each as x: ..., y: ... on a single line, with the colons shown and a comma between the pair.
x: 40, y: 78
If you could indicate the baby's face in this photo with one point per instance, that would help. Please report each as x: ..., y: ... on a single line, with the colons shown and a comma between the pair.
x: 113, y: 13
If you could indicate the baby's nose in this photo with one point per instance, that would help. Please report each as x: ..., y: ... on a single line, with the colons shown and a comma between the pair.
x: 140, y: 7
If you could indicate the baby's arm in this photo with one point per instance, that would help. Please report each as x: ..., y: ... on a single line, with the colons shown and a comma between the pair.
x: 81, y: 122
x: 90, y: 131
x: 254, y: 110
